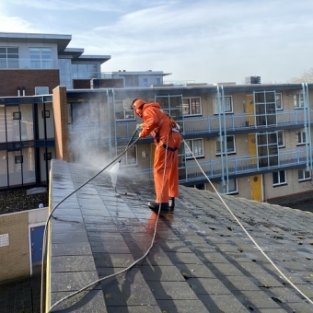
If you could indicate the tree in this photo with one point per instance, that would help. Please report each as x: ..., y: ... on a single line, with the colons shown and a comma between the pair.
x: 305, y: 77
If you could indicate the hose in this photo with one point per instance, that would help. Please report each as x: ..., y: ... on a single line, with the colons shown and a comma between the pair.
x: 45, y: 239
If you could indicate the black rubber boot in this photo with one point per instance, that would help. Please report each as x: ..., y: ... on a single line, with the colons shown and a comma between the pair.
x: 172, y: 203
x: 155, y: 206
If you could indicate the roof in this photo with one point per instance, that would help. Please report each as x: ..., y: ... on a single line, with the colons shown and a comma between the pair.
x: 201, y: 260
x: 61, y: 40
x: 145, y: 73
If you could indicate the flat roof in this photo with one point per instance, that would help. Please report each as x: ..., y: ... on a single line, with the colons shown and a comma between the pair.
x: 61, y: 40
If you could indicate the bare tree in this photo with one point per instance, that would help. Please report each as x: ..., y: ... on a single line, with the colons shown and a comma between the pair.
x: 305, y: 77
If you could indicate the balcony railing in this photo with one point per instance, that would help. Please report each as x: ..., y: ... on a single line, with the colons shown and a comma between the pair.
x: 242, y: 165
x: 26, y: 63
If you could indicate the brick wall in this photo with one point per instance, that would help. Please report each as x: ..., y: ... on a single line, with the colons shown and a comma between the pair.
x: 14, y: 258
x: 98, y: 83
x: 60, y: 111
x: 10, y: 80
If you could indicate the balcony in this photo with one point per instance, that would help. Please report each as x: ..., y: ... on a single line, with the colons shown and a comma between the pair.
x: 242, y: 165
x: 21, y: 63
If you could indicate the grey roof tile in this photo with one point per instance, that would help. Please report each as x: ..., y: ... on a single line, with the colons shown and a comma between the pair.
x: 201, y: 260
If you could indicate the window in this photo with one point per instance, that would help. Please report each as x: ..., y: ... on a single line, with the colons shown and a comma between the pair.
x: 192, y: 106
x: 298, y: 100
x: 145, y: 81
x: 228, y: 105
x: 301, y: 140
x: 84, y: 71
x: 304, y: 175
x: 121, y: 113
x: 196, y: 146
x: 9, y: 58
x: 130, y: 157
x: 47, y: 156
x: 279, y: 178
x: 41, y: 90
x: 230, y: 145
x: 18, y: 159
x: 158, y: 81
x: 16, y: 115
x: 280, y: 139
x: 231, y: 187
x: 45, y: 114
x: 279, y: 101
x: 40, y: 57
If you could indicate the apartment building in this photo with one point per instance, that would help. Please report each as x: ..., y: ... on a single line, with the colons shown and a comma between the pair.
x: 31, y: 66
x: 253, y: 141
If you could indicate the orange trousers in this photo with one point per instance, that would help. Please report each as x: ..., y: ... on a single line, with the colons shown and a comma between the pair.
x: 165, y: 169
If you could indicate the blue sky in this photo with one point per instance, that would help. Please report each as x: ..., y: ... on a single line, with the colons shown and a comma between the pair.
x: 195, y: 40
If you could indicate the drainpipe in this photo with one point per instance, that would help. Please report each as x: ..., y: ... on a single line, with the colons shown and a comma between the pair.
x: 220, y: 132
x: 114, y: 117
x: 109, y: 118
x: 306, y: 126
x: 256, y: 135
x: 225, y: 135
x: 309, y: 124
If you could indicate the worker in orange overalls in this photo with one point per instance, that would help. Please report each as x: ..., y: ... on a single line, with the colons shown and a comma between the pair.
x: 167, y: 139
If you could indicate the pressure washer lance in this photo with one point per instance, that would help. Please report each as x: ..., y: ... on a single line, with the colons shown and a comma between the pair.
x: 115, y: 168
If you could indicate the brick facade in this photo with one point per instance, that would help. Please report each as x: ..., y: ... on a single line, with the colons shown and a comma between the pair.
x: 60, y: 111
x: 98, y: 83
x: 11, y: 80
x: 15, y: 258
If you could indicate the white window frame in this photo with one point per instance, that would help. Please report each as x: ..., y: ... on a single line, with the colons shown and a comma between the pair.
x: 306, y: 175
x: 198, y: 152
x: 228, y: 191
x: 188, y: 106
x: 283, y: 139
x: 7, y: 56
x: 218, y: 152
x: 301, y: 136
x: 279, y: 96
x: 125, y: 158
x: 128, y: 115
x: 279, y: 181
x: 299, y: 101
x: 231, y: 104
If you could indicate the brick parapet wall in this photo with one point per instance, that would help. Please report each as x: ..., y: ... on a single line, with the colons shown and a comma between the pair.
x: 60, y: 111
x: 11, y: 80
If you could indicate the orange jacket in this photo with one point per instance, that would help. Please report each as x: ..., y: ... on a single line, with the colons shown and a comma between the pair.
x: 155, y: 122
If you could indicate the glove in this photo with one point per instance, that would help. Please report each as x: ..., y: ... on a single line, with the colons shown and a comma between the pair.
x: 139, y: 127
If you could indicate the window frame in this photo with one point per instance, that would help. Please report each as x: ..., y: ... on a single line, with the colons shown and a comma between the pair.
x: 123, y: 112
x: 124, y: 160
x: 281, y: 101
x: 304, y: 178
x: 279, y: 182
x: 215, y: 105
x: 283, y: 139
x: 190, y: 143
x: 231, y: 192
x: 217, y: 146
x: 302, y: 136
x: 190, y: 106
x: 299, y: 101
x: 7, y: 57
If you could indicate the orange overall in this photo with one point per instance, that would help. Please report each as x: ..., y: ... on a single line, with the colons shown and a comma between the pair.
x: 158, y: 124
